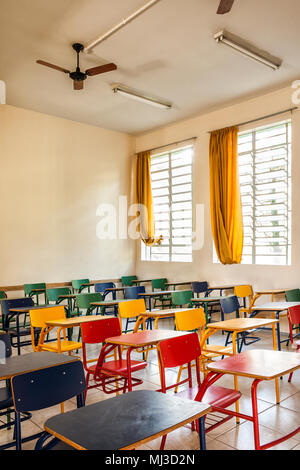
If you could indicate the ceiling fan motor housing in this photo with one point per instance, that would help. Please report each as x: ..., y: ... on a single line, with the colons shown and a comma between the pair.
x: 78, y: 76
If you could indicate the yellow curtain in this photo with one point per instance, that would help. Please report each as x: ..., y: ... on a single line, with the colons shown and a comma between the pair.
x: 225, y: 197
x: 144, y: 199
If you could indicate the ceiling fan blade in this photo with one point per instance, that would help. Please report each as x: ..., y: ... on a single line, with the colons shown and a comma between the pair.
x: 78, y: 85
x: 56, y: 67
x: 101, y: 69
x: 225, y: 6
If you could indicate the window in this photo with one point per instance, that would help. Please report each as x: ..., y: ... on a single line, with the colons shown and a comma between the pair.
x: 265, y: 179
x: 171, y: 177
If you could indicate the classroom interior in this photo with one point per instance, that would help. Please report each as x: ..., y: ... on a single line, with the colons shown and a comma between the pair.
x: 149, y: 195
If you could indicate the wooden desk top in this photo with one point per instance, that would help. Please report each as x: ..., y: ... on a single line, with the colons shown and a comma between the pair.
x: 164, y: 313
x: 68, y: 296
x: 107, y: 303
x: 158, y: 293
x: 188, y: 283
x: 275, y: 306
x: 33, y: 361
x: 125, y: 421
x: 32, y: 307
x: 75, y: 321
x: 144, y: 338
x: 241, y: 324
x: 115, y: 289
x: 210, y: 288
x: 270, y: 291
x: 141, y: 281
x: 209, y: 299
x: 259, y: 364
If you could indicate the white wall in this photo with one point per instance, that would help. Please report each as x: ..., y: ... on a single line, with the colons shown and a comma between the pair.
x: 53, y: 175
x: 203, y: 267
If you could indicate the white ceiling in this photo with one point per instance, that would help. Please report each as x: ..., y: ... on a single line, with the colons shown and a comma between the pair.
x: 167, y: 52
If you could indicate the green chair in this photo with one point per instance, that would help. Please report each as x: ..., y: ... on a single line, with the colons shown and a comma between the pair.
x: 292, y: 295
x: 30, y: 291
x: 127, y: 280
x: 83, y: 301
x: 77, y: 285
x: 182, y: 298
x: 164, y: 300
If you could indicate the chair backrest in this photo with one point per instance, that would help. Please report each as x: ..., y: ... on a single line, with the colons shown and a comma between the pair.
x: 132, y: 308
x: 6, y: 304
x: 127, y: 280
x: 39, y: 316
x: 190, y: 320
x: 97, y: 331
x: 5, y: 345
x: 53, y: 294
x: 3, y: 294
x: 293, y: 315
x: 177, y: 351
x: 84, y: 300
x: 230, y: 305
x: 102, y: 286
x: 28, y: 288
x: 133, y: 292
x: 293, y: 295
x: 159, y: 284
x: 182, y: 297
x: 244, y: 292
x: 77, y: 283
x: 47, y: 387
x: 200, y: 287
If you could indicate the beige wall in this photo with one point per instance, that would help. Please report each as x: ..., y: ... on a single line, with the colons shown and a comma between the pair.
x: 202, y: 267
x: 53, y: 175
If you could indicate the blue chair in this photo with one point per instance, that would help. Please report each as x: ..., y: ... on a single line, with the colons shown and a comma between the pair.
x: 132, y: 293
x: 6, y: 399
x: 231, y: 305
x: 43, y: 388
x: 8, y: 317
x: 103, y: 286
x: 200, y: 288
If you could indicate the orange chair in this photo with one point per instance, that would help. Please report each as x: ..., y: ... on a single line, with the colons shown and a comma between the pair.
x: 176, y: 352
x: 129, y: 310
x: 294, y: 320
x: 245, y: 292
x: 106, y: 373
x: 38, y: 319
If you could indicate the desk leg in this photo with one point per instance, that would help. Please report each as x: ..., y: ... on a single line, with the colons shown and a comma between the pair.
x: 255, y: 413
x: 129, y: 369
x: 236, y: 384
x: 18, y: 335
x: 202, y: 433
x: 278, y: 332
x: 276, y: 380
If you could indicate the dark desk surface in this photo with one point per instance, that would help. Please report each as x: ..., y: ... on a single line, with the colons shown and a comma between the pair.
x: 33, y: 361
x: 124, y: 422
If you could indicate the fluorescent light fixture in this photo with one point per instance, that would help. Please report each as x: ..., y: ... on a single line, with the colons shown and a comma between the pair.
x: 222, y: 38
x: 124, y: 91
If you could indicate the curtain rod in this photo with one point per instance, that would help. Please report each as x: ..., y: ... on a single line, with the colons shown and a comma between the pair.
x: 263, y: 117
x: 168, y: 145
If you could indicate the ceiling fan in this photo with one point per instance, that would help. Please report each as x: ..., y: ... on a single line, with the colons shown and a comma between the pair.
x: 225, y: 6
x: 79, y: 76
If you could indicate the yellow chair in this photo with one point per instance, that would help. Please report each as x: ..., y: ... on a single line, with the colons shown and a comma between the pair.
x: 131, y: 309
x: 245, y: 292
x: 192, y: 320
x: 38, y: 319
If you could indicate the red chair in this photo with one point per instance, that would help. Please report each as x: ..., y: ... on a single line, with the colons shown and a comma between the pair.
x: 107, y: 373
x: 176, y: 352
x: 294, y: 320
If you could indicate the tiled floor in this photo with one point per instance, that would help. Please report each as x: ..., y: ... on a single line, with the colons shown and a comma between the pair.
x: 274, y: 419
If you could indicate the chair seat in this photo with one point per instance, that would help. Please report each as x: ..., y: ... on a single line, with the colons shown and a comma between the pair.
x: 22, y: 332
x: 6, y: 400
x: 65, y: 346
x: 214, y: 350
x: 119, y: 366
x: 214, y: 395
